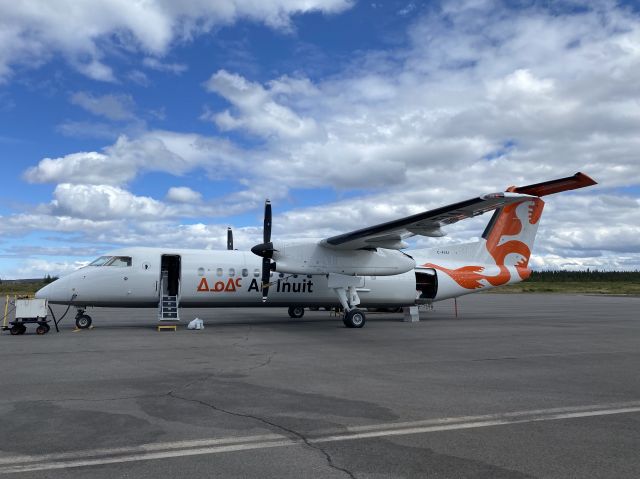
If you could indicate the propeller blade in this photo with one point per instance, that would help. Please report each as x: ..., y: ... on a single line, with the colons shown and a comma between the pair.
x: 266, y: 232
x: 266, y: 275
x: 229, y: 239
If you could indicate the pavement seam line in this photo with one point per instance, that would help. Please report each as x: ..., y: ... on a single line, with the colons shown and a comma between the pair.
x: 311, y: 442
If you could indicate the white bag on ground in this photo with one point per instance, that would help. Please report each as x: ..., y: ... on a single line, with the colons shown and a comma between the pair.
x: 197, y: 323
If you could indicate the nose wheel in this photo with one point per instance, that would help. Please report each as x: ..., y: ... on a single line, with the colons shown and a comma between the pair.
x: 83, y: 321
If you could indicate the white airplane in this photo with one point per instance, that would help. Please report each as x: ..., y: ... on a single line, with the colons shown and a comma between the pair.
x: 363, y: 268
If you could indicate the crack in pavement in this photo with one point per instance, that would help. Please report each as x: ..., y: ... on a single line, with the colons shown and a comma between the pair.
x: 265, y: 421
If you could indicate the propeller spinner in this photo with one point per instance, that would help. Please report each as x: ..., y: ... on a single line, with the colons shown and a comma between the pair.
x: 265, y: 250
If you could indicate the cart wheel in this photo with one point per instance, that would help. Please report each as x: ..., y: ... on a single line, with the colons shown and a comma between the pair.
x: 15, y: 330
x: 42, y: 329
x: 22, y: 329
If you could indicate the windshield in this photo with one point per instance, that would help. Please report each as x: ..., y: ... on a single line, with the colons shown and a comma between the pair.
x: 118, y: 261
x: 100, y: 261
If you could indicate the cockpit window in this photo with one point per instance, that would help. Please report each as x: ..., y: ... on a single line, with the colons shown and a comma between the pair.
x: 100, y: 261
x: 120, y: 261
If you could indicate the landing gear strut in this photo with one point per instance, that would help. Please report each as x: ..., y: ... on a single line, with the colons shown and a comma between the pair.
x: 83, y: 321
x: 345, y: 287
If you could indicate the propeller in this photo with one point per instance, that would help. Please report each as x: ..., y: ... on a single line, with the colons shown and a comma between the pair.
x: 229, y: 239
x: 265, y: 250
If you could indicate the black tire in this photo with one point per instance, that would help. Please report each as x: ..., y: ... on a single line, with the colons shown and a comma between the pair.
x: 83, y: 322
x: 23, y: 329
x: 354, y: 319
x: 42, y: 329
x: 15, y: 330
x: 296, y: 311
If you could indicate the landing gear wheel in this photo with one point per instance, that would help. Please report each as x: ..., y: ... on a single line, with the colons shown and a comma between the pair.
x: 83, y: 321
x: 354, y: 319
x: 296, y: 311
x: 42, y: 329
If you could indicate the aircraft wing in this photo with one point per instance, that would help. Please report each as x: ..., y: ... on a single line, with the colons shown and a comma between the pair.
x: 392, y: 233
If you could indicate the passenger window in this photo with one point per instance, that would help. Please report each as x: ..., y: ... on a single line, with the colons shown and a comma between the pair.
x: 219, y: 272
x: 200, y: 271
x: 256, y: 273
x: 245, y: 272
x: 232, y: 272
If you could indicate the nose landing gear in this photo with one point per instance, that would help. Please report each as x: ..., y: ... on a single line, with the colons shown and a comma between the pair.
x: 83, y: 321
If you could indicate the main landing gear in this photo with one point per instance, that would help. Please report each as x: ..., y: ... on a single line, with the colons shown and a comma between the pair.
x: 345, y: 287
x: 354, y: 318
x: 83, y: 321
x: 296, y: 312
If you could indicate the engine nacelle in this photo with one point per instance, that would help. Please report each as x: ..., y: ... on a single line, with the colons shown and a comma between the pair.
x: 313, y: 258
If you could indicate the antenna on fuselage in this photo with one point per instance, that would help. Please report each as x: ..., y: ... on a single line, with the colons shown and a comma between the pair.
x: 229, y: 238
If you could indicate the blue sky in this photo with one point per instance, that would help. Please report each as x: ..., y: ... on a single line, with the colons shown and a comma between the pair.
x: 164, y: 124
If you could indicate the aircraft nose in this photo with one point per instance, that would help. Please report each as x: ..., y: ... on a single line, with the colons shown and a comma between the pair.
x: 55, y: 292
x: 48, y: 292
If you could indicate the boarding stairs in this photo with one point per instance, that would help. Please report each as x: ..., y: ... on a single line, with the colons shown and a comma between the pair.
x: 168, y: 308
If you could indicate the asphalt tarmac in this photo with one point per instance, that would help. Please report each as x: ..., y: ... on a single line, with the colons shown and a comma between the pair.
x: 517, y: 386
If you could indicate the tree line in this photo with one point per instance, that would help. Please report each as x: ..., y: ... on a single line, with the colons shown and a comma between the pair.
x: 588, y: 275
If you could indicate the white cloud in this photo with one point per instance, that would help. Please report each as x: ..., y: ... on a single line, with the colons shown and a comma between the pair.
x: 103, y: 202
x: 155, y: 64
x: 113, y: 107
x: 183, y: 194
x: 32, y: 32
x: 84, y: 167
x: 138, y: 77
x: 39, y: 268
x: 89, y: 129
x: 482, y: 97
x: 165, y: 151
x: 256, y: 109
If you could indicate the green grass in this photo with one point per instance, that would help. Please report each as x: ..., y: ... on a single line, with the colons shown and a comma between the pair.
x: 20, y: 288
x: 576, y: 287
x: 580, y: 282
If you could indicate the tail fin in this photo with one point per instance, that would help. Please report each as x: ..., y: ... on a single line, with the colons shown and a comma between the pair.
x: 502, y: 254
x: 508, y: 238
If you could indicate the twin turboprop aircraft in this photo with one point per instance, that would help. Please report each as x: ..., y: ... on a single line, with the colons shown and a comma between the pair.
x: 363, y: 268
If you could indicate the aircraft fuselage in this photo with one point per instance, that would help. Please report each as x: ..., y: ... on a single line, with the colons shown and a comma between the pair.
x: 203, y: 278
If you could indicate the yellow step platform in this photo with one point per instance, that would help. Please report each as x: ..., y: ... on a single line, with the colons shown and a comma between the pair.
x: 167, y: 327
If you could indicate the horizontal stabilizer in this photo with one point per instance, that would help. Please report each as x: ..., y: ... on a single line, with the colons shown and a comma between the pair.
x: 579, y: 180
